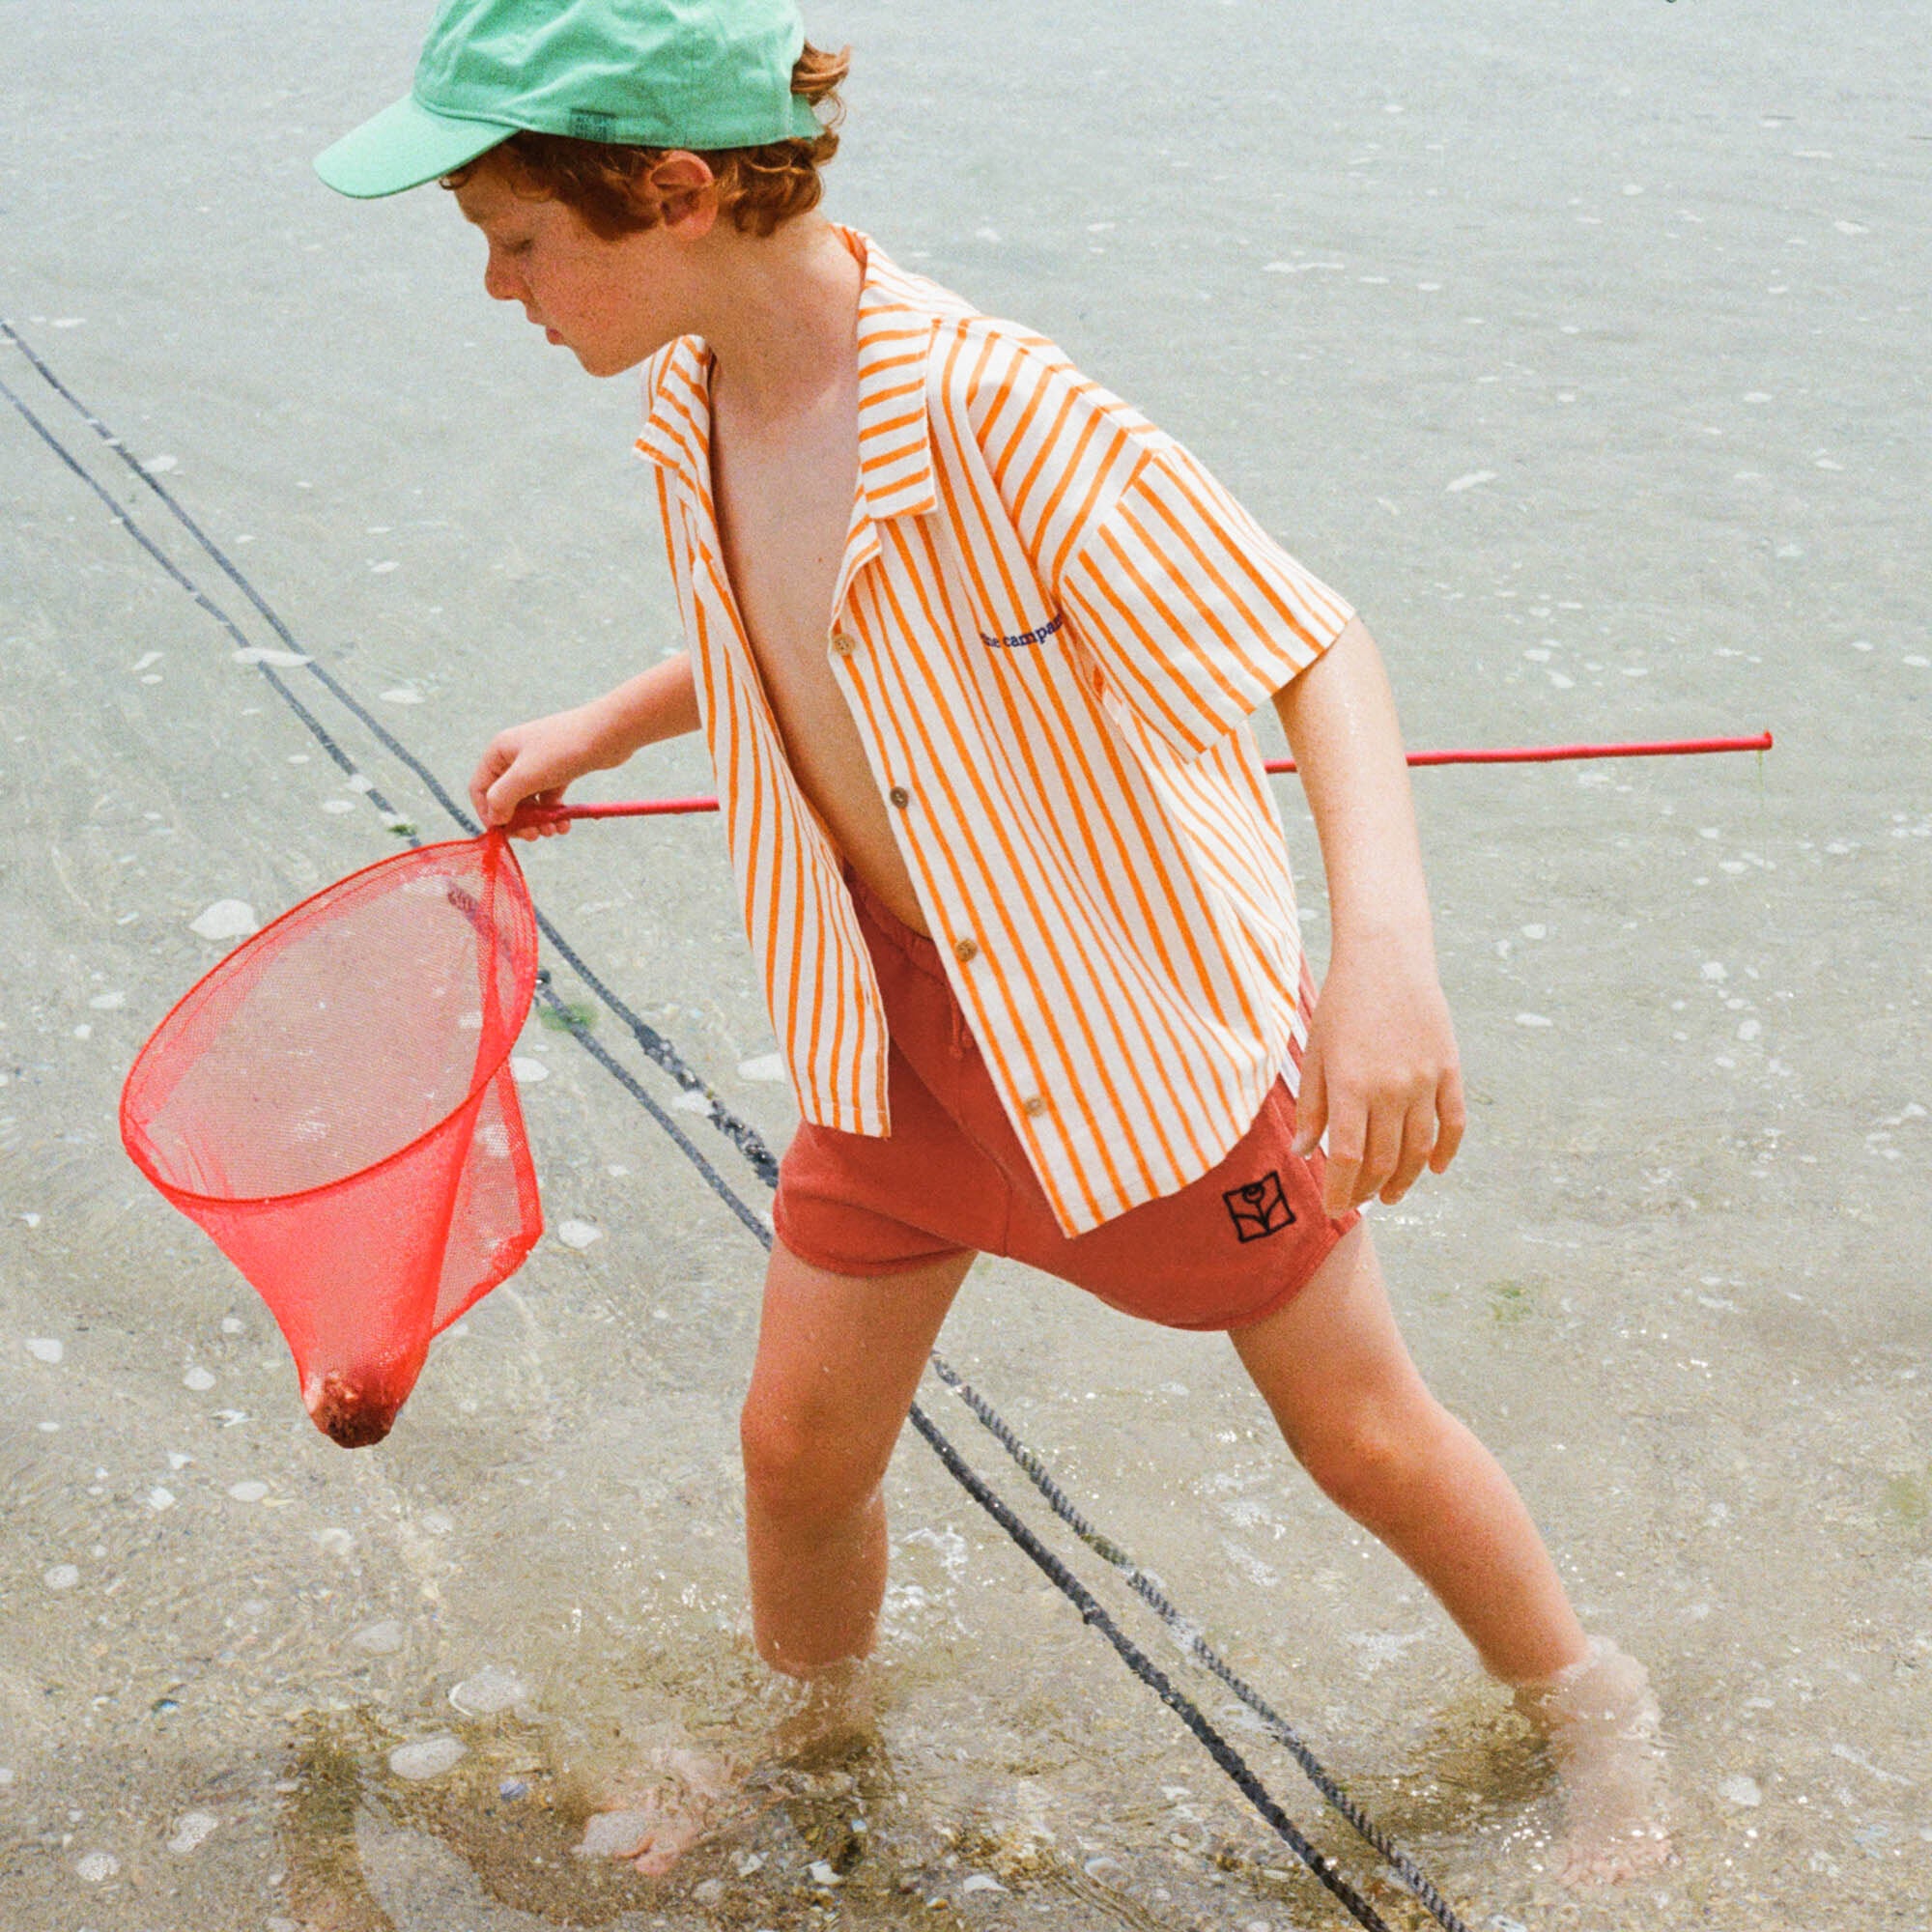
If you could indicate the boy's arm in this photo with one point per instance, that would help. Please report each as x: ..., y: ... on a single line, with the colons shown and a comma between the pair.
x: 539, y: 760
x: 1381, y: 1071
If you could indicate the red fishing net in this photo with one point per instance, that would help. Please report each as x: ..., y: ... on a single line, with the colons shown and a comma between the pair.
x: 333, y: 1104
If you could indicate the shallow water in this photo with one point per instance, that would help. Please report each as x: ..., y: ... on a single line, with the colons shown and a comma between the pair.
x: 1579, y: 348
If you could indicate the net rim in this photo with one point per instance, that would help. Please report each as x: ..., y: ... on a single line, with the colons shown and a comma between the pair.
x: 135, y: 1140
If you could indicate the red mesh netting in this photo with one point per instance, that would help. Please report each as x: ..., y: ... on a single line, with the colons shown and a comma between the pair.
x: 333, y: 1104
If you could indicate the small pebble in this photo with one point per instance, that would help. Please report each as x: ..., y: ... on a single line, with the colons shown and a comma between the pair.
x: 1534, y: 1020
x: 232, y: 1325
x: 98, y: 1866
x: 821, y: 1874
x: 511, y: 1789
x: 429, y: 1757
x: 767, y: 1067
x: 225, y: 919
x: 380, y: 1639
x: 616, y: 1834
x: 710, y: 1892
x: 490, y: 1691
x: 525, y: 1071
x: 159, y: 1498
x: 199, y: 1380
x: 62, y: 1577
x: 249, y: 1492
x: 982, y: 1881
x: 1740, y: 1791
x: 43, y: 1348
x: 578, y: 1233
x: 192, y: 1829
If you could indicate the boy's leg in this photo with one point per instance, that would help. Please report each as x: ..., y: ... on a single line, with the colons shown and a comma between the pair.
x: 838, y: 1360
x: 1332, y: 1367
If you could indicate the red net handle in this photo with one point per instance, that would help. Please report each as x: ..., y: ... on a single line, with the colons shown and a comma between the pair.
x: 529, y: 816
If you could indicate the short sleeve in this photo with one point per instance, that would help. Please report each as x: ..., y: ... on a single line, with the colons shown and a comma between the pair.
x: 1195, y: 615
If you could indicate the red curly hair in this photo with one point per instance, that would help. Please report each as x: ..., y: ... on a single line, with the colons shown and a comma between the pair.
x: 608, y: 184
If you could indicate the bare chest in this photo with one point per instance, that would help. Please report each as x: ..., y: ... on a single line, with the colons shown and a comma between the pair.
x: 784, y: 511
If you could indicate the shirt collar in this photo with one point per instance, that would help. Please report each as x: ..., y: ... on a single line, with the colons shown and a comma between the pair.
x: 895, y: 338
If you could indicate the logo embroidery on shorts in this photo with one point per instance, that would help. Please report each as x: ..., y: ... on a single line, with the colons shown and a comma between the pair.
x: 1025, y: 638
x: 1260, y: 1209
x: 591, y: 124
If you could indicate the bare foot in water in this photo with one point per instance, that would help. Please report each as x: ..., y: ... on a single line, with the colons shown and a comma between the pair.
x: 1601, y: 1723
x: 692, y: 1791
x: 681, y: 1794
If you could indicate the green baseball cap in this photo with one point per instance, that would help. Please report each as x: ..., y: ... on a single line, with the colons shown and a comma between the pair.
x: 649, y: 74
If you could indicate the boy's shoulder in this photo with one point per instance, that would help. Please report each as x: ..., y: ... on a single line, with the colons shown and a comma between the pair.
x: 999, y: 370
x: 1001, y: 387
x: 1058, y: 447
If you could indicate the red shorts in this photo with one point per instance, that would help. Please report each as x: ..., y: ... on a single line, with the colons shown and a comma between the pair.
x: 952, y: 1178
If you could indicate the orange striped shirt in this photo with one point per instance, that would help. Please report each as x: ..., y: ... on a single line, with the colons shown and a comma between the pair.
x: 1051, y: 627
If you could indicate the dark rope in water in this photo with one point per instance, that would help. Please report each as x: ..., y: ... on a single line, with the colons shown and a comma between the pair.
x: 1150, y: 1673
x: 760, y: 1156
x: 1147, y: 1589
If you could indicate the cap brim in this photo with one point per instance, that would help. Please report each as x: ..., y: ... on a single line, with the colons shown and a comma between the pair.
x: 403, y: 147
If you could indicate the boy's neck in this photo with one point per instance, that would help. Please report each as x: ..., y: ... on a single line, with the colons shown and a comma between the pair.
x: 780, y: 314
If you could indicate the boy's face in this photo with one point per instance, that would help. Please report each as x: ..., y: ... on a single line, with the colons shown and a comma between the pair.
x: 613, y: 303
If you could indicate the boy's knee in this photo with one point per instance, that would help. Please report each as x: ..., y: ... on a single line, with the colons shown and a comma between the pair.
x: 1375, y: 1459
x: 803, y: 1472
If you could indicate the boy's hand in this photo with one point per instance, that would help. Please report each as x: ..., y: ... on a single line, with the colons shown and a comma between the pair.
x: 537, y: 761
x: 1381, y: 1075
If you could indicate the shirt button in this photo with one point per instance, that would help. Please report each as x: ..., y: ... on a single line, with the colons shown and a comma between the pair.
x: 1035, y: 1106
x: 965, y: 951
x: 843, y: 645
x: 899, y: 796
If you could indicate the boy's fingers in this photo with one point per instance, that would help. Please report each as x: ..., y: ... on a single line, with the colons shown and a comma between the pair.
x: 509, y: 792
x: 1310, y: 1106
x: 545, y: 800
x: 1383, y: 1149
x: 1418, y: 1134
x: 489, y: 768
x: 1347, y: 1128
x: 1452, y: 1117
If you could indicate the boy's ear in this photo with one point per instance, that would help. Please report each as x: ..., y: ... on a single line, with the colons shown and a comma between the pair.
x: 687, y: 193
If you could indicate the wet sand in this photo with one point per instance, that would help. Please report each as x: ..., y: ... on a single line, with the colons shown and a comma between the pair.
x: 1580, y: 349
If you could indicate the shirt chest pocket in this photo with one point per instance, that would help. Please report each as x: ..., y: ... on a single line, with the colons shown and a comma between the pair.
x: 1004, y: 611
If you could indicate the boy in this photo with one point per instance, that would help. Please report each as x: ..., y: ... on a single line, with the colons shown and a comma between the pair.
x: 973, y: 646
